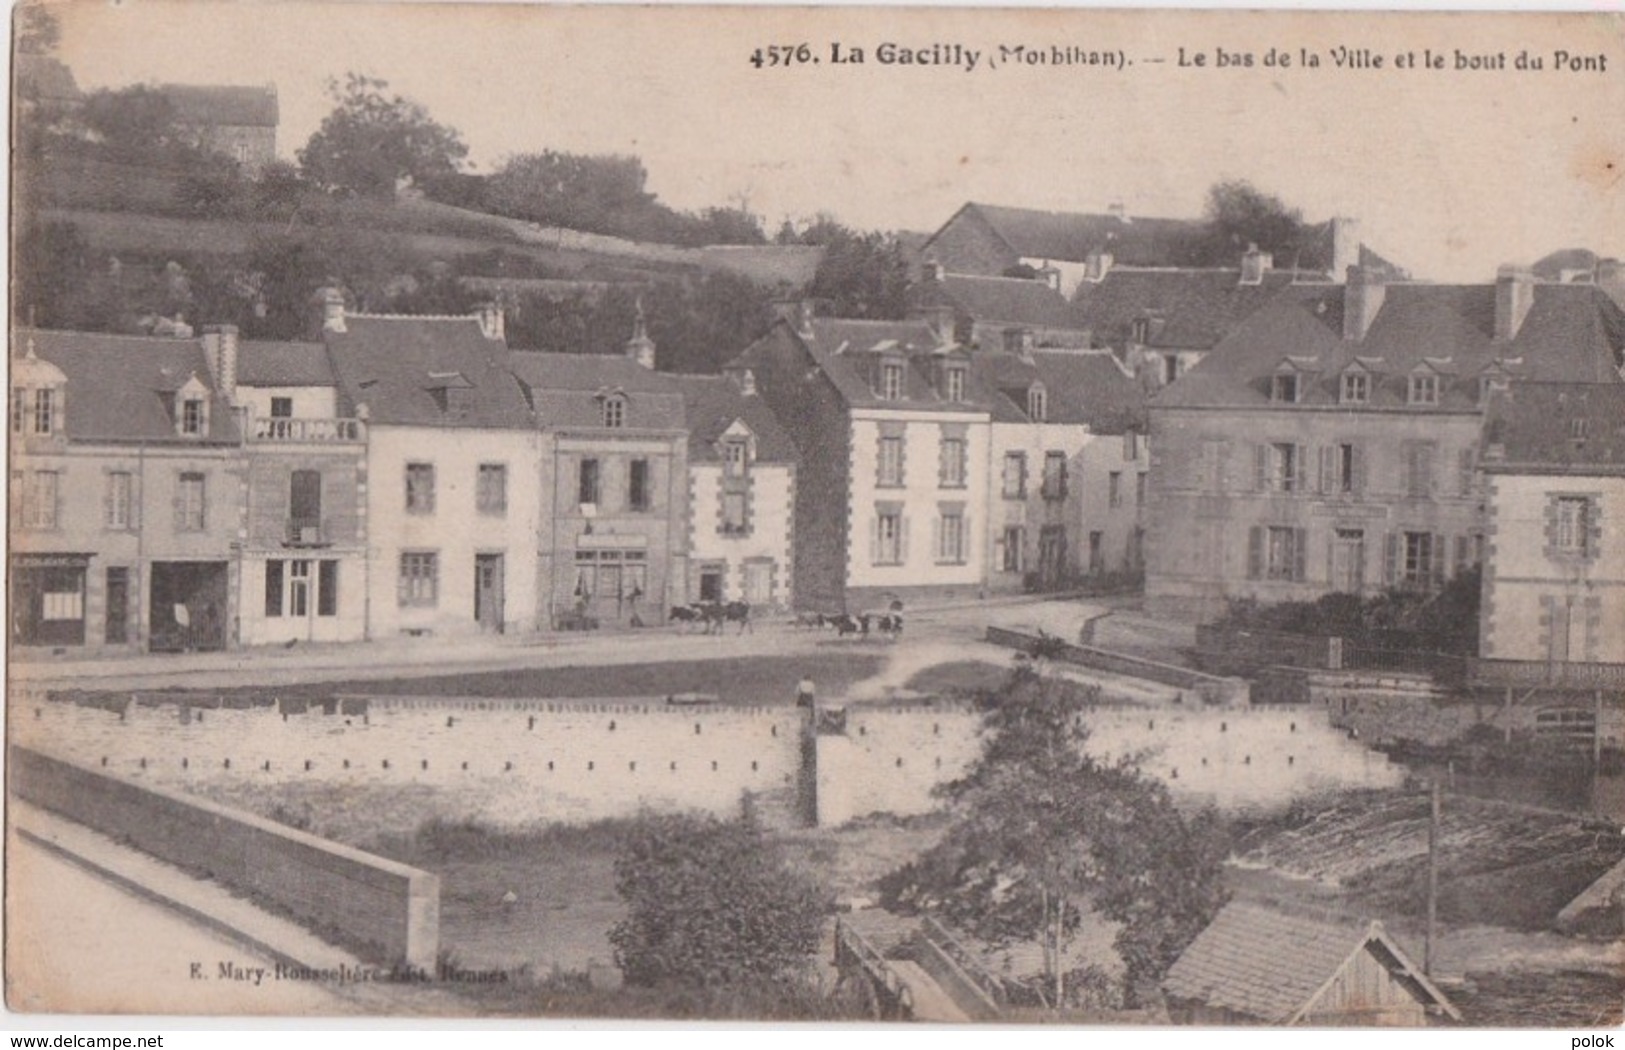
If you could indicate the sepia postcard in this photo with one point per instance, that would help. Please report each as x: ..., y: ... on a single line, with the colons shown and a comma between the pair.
x: 940, y: 515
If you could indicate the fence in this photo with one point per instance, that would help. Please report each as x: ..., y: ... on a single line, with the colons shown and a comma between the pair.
x: 1212, y: 689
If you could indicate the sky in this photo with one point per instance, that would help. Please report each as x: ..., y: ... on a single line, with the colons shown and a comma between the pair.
x: 1450, y: 172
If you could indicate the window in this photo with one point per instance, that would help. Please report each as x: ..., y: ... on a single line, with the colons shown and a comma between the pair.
x: 1573, y: 525
x: 1424, y: 389
x: 1015, y: 475
x: 191, y: 510
x: 1419, y: 470
x: 1284, y: 554
x: 1579, y: 426
x: 19, y: 410
x: 1467, y: 471
x: 891, y: 381
x: 491, y: 488
x: 40, y: 502
x: 1170, y: 368
x: 951, y: 537
x: 117, y: 503
x: 614, y: 411
x: 420, y: 488
x: 637, y: 485
x: 273, y: 588
x: 1055, y: 475
x: 952, y: 473
x: 1280, y: 467
x: 890, y: 471
x: 1139, y: 489
x: 1011, y: 545
x: 192, y: 421
x: 419, y: 582
x: 954, y: 384
x: 299, y: 588
x: 1131, y: 444
x: 1418, y: 566
x: 734, y: 514
x: 1114, y: 488
x: 1037, y: 404
x: 44, y: 411
x: 889, y: 538
x: 305, y: 506
x: 587, y: 483
x: 282, y: 408
x: 1356, y: 388
x: 327, y: 588
x: 1339, y: 469
x: 1284, y: 387
x: 735, y: 459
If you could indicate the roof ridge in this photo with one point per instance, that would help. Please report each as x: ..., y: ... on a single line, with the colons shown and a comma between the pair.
x: 352, y: 315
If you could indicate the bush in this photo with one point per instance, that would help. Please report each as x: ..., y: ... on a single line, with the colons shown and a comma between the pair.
x: 712, y: 903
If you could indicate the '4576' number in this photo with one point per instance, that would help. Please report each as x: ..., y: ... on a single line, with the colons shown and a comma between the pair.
x: 783, y: 55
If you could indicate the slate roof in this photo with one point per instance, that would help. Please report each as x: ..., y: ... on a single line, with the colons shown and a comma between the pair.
x: 44, y: 79
x: 1080, y: 386
x: 1533, y: 428
x: 1191, y: 309
x: 567, y: 389
x: 395, y: 364
x: 846, y: 350
x: 1072, y: 236
x: 713, y: 403
x: 1265, y: 964
x: 1572, y: 333
x: 223, y: 105
x: 122, y: 388
x: 1007, y: 300
x: 266, y: 363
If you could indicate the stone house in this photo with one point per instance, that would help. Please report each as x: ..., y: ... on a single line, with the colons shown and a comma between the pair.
x: 1331, y: 441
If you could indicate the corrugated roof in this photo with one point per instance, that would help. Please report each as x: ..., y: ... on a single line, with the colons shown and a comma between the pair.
x: 266, y: 363
x: 1262, y: 963
x: 390, y: 364
x: 1556, y: 427
x: 567, y: 390
x: 1001, y: 300
x: 1187, y: 309
x: 122, y: 388
x: 713, y: 403
x: 1571, y: 333
x: 227, y: 105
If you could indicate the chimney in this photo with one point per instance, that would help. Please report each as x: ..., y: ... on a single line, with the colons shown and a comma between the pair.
x: 1345, y: 245
x: 1024, y: 344
x: 743, y: 379
x: 1362, y: 301
x: 1117, y: 210
x: 220, y: 348
x: 1255, y: 264
x: 1097, y: 266
x: 640, y: 347
x: 492, y: 322
x: 332, y: 309
x: 931, y: 270
x: 1051, y: 276
x: 1514, y: 295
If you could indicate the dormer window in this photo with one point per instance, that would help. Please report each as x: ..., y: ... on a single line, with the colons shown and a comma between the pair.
x: 953, y: 384
x: 614, y: 411
x: 1141, y: 331
x: 19, y: 411
x: 891, y: 381
x: 1037, y: 403
x: 1424, y: 389
x: 1356, y: 388
x: 192, y: 409
x: 735, y: 458
x: 1284, y: 387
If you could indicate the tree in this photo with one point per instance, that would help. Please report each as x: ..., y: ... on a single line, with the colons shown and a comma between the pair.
x: 38, y: 31
x: 861, y: 274
x: 373, y: 140
x: 712, y: 902
x: 600, y: 194
x: 137, y: 125
x: 1239, y: 215
x: 1043, y: 831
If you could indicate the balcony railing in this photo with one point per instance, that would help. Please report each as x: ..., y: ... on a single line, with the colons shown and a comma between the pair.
x: 325, y: 431
x: 307, y: 532
x: 1532, y: 673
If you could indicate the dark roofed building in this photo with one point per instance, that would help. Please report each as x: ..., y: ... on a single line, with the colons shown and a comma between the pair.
x: 425, y: 371
x: 237, y: 120
x: 1255, y: 965
x: 1330, y: 403
x: 992, y: 313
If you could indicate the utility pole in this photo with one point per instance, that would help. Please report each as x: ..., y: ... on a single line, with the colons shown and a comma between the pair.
x: 1433, y: 878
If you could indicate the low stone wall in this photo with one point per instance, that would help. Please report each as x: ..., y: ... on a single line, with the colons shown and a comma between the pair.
x: 1229, y: 650
x: 383, y: 909
x: 1211, y: 689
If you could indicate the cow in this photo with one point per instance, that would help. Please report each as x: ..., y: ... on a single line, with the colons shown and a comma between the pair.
x: 735, y: 612
x: 845, y: 624
x: 890, y: 625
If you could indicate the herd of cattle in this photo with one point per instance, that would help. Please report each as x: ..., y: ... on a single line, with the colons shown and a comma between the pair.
x: 712, y: 617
